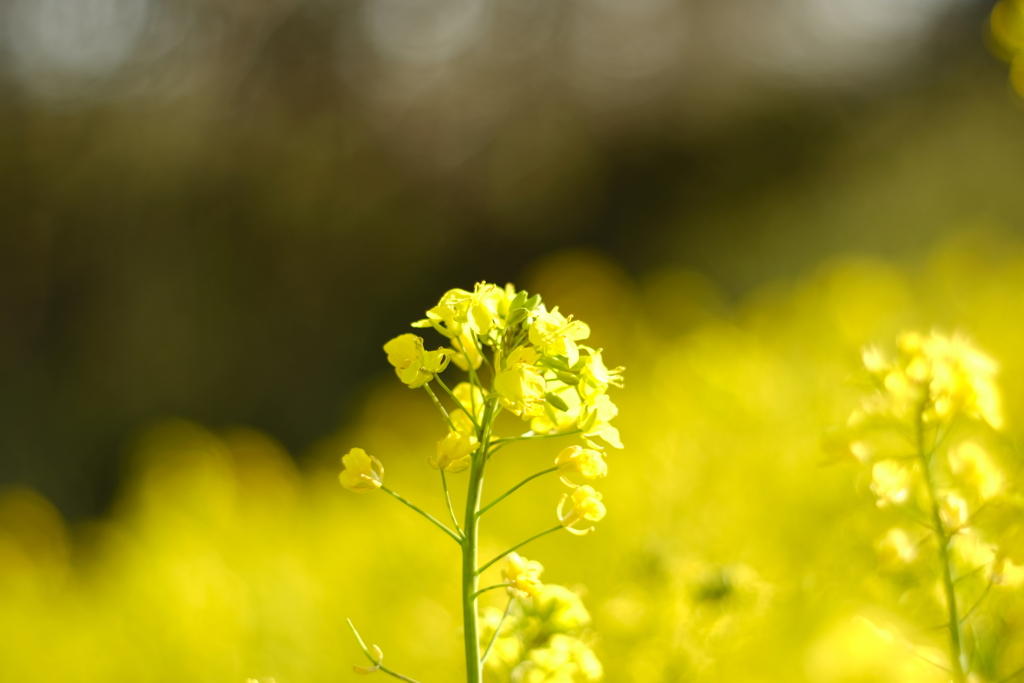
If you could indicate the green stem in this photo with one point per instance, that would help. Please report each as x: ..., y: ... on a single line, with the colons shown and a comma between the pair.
x: 448, y: 500
x: 470, y: 540
x: 441, y: 526
x: 529, y: 436
x: 514, y: 488
x: 945, y: 561
x: 380, y: 667
x: 458, y: 402
x: 497, y: 630
x: 490, y: 588
x: 433, y: 397
x: 518, y: 546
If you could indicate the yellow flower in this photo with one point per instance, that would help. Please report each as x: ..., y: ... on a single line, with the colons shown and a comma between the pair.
x: 593, y: 420
x: 564, y: 659
x: 897, y: 548
x: 940, y: 375
x: 472, y: 398
x: 970, y: 462
x: 521, y: 388
x: 453, y: 452
x: 595, y: 377
x: 460, y: 312
x: 522, y: 576
x: 890, y: 482
x: 362, y: 472
x: 555, y: 335
x: 586, y: 506
x: 583, y: 461
x: 561, y: 609
x: 413, y: 365
x: 954, y: 512
x: 555, y: 420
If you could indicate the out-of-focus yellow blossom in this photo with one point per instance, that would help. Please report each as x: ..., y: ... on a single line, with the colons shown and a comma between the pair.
x: 973, y: 551
x: 954, y: 512
x: 522, y: 576
x: 970, y: 463
x: 565, y: 659
x: 858, y: 649
x: 586, y: 506
x: 944, y: 376
x: 521, y: 388
x: 453, y: 452
x: 586, y: 462
x: 413, y: 365
x: 472, y: 399
x: 891, y: 482
x: 1007, y: 26
x: 555, y: 335
x: 362, y: 472
x: 897, y: 548
x: 561, y: 609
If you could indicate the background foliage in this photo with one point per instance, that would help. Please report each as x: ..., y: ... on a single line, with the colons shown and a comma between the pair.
x: 214, y: 214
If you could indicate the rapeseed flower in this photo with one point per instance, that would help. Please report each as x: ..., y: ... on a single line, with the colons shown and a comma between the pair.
x: 586, y: 506
x: 362, y: 472
x: 414, y: 365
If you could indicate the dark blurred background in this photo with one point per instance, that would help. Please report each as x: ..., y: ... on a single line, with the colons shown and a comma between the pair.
x: 221, y: 209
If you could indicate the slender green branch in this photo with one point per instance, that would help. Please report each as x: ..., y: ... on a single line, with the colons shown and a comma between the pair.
x: 517, y: 546
x: 530, y: 436
x: 972, y: 572
x: 971, y: 611
x: 480, y: 350
x: 497, y: 630
x: 376, y: 663
x: 448, y: 500
x: 469, y: 414
x: 945, y: 561
x: 490, y: 588
x: 513, y: 489
x: 433, y: 397
x: 456, y: 537
x: 471, y: 533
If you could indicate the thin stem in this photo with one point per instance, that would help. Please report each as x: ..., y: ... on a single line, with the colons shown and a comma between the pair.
x: 945, y: 561
x: 380, y: 667
x: 530, y: 436
x: 433, y: 397
x: 490, y: 588
x: 448, y: 391
x: 448, y: 500
x: 514, y: 488
x: 441, y: 526
x: 971, y: 611
x: 497, y: 630
x: 470, y: 540
x: 517, y: 546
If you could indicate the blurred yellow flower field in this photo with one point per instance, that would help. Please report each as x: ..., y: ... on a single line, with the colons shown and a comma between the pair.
x: 741, y: 543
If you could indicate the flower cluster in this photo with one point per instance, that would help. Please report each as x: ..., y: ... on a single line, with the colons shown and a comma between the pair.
x: 543, y: 640
x: 530, y: 361
x: 927, y: 433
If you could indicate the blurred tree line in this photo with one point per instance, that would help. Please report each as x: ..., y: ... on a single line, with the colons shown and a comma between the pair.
x: 224, y: 225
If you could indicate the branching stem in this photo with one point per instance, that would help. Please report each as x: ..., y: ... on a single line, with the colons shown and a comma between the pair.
x: 442, y: 527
